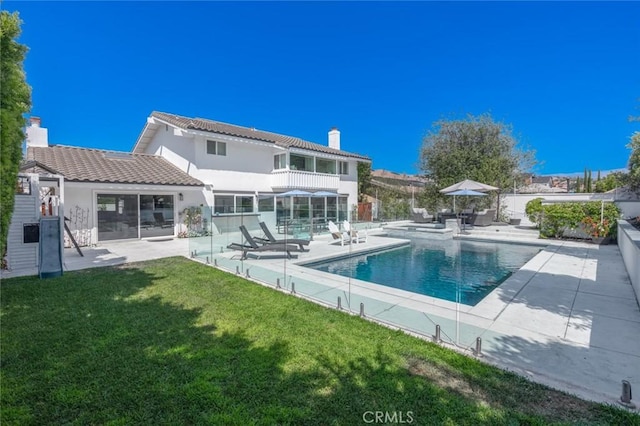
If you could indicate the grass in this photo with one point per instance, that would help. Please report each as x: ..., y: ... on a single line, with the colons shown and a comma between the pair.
x: 176, y: 342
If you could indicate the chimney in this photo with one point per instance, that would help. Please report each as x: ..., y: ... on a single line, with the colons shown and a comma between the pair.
x: 334, y: 138
x: 37, y: 136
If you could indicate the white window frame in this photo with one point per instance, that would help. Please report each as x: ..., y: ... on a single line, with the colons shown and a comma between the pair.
x: 280, y: 161
x: 343, y: 167
x: 219, y: 148
x: 320, y: 159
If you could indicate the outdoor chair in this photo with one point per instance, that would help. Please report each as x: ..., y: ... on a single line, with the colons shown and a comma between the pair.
x: 354, y: 234
x: 337, y: 234
x: 272, y: 240
x: 421, y: 215
x: 254, y: 247
x: 484, y: 217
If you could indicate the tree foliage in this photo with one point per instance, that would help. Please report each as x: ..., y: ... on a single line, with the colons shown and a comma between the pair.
x: 533, y: 210
x: 476, y: 148
x: 561, y: 217
x: 15, y: 100
x: 364, y: 179
x: 610, y: 181
x: 394, y: 204
x: 634, y: 162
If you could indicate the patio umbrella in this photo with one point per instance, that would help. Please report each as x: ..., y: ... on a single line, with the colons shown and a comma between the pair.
x: 324, y: 194
x: 468, y: 184
x: 467, y: 192
x: 295, y: 193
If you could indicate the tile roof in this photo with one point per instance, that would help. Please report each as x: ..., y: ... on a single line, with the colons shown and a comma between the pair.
x: 206, y: 125
x: 95, y: 165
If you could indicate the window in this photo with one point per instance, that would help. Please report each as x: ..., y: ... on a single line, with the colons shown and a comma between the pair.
x: 301, y: 162
x: 23, y: 186
x: 266, y: 203
x: 244, y: 204
x: 280, y: 161
x: 216, y: 148
x: 325, y: 166
x: 344, y: 168
x: 223, y: 204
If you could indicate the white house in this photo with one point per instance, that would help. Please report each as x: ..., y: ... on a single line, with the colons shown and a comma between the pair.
x: 245, y: 169
x: 178, y: 162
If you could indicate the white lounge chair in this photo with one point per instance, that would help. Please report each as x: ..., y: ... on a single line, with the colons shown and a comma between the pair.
x: 337, y: 234
x: 355, y: 235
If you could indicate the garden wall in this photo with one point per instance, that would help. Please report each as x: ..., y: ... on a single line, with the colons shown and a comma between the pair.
x: 515, y: 204
x: 629, y: 244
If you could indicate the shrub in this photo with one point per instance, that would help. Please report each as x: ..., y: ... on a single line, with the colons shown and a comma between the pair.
x: 533, y: 211
x: 557, y: 218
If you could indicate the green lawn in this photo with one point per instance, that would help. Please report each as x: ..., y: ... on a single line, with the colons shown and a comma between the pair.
x: 176, y: 342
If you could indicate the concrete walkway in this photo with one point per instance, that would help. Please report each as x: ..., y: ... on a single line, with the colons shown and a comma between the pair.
x: 569, y: 318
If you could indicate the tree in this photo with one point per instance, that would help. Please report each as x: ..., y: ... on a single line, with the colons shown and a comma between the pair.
x: 364, y: 179
x: 578, y: 184
x: 589, y: 182
x: 610, y: 181
x: 633, y: 177
x: 15, y: 100
x: 477, y: 148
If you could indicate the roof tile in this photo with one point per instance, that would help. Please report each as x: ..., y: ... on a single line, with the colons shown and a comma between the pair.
x: 95, y: 165
x: 207, y: 125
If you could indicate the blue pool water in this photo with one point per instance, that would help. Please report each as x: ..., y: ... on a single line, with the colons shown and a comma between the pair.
x: 444, y: 269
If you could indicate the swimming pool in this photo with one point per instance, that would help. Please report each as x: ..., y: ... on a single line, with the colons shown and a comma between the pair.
x: 449, y: 269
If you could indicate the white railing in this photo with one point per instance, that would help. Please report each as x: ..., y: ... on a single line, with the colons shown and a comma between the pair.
x: 295, y: 179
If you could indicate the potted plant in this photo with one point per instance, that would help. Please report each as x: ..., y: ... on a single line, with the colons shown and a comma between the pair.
x: 598, y: 230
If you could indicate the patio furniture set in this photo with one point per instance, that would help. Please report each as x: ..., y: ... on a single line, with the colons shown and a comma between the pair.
x: 468, y: 216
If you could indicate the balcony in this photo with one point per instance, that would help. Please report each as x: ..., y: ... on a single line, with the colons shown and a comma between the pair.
x: 296, y: 179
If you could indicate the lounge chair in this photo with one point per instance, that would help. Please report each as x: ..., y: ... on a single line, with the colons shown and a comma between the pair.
x: 484, y: 218
x: 253, y: 247
x: 355, y: 235
x: 272, y: 240
x: 337, y: 234
x: 421, y: 215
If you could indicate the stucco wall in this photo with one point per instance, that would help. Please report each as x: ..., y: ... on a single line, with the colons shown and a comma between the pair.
x: 79, y: 209
x: 246, y: 169
x: 80, y: 205
x: 629, y: 244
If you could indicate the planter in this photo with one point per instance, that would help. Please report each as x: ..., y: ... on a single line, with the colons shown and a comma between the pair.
x: 514, y: 222
x: 600, y: 240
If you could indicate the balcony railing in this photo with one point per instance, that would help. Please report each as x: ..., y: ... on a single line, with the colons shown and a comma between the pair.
x: 296, y: 179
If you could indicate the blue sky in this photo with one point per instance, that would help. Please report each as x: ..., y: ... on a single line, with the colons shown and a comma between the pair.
x: 565, y: 76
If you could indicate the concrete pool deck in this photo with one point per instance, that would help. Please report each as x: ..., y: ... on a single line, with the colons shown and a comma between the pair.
x: 569, y: 318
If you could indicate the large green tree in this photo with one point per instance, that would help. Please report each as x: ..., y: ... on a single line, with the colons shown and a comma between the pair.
x: 634, y: 162
x: 477, y: 148
x: 15, y: 101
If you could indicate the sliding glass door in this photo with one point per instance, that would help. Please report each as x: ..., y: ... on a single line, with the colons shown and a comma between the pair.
x: 117, y: 216
x: 156, y: 215
x: 121, y: 215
